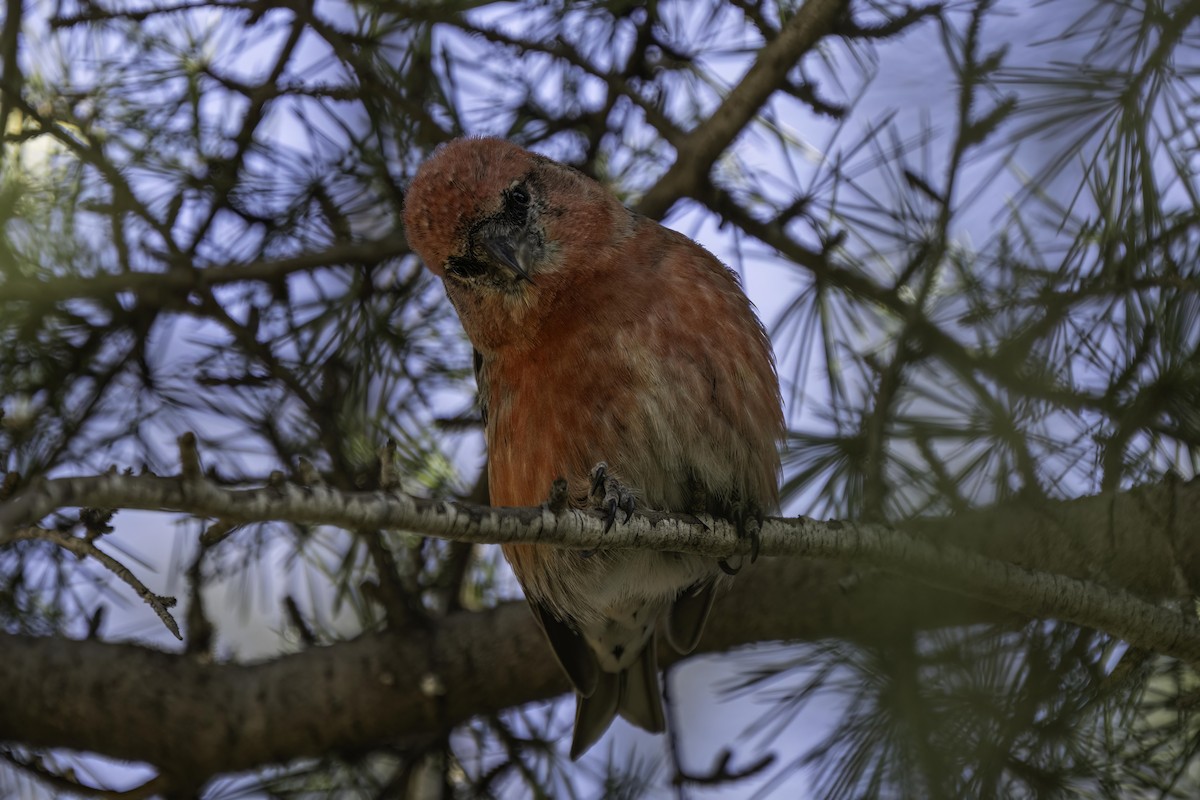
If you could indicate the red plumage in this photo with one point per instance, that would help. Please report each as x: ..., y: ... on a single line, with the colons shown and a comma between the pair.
x: 601, y: 337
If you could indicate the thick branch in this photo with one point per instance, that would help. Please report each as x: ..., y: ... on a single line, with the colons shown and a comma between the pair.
x: 117, y: 699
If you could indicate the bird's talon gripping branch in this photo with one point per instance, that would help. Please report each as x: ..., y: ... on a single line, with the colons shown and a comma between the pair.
x: 728, y: 569
x: 598, y: 476
x: 609, y: 495
x: 741, y: 518
x: 755, y: 534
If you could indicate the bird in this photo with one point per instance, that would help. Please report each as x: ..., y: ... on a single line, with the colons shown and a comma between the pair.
x: 622, y: 357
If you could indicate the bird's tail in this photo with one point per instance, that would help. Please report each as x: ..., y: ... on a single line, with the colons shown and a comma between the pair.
x: 633, y: 693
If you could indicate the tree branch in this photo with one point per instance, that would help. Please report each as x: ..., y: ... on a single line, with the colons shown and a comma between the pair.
x: 86, y: 548
x: 1143, y: 541
x: 117, y: 699
x: 704, y: 144
x: 191, y: 278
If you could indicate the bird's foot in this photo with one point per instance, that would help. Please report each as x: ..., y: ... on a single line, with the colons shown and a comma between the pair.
x: 609, y: 495
x: 747, y: 519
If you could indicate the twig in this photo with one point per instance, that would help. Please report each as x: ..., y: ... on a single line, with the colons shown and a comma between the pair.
x: 84, y: 548
x: 705, y: 143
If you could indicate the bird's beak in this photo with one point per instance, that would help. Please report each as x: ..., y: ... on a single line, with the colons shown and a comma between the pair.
x: 514, y: 252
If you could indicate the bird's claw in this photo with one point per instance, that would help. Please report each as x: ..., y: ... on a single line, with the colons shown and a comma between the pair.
x: 741, y: 518
x: 609, y: 495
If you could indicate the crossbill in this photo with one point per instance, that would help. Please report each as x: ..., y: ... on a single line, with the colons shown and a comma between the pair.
x: 621, y: 356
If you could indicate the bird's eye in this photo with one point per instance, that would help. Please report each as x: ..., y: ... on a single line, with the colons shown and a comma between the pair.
x: 519, y: 195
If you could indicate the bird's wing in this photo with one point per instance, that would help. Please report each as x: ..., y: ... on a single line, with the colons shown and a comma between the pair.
x: 572, y: 652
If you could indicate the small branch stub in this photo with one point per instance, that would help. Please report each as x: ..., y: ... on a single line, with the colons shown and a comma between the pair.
x: 189, y: 457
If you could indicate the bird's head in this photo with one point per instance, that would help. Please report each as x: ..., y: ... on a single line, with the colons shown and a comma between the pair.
x: 506, y: 230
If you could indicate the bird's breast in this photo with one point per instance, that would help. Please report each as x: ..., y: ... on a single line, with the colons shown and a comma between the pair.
x: 550, y: 416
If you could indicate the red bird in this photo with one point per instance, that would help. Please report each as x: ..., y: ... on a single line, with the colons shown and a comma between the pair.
x: 621, y: 356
